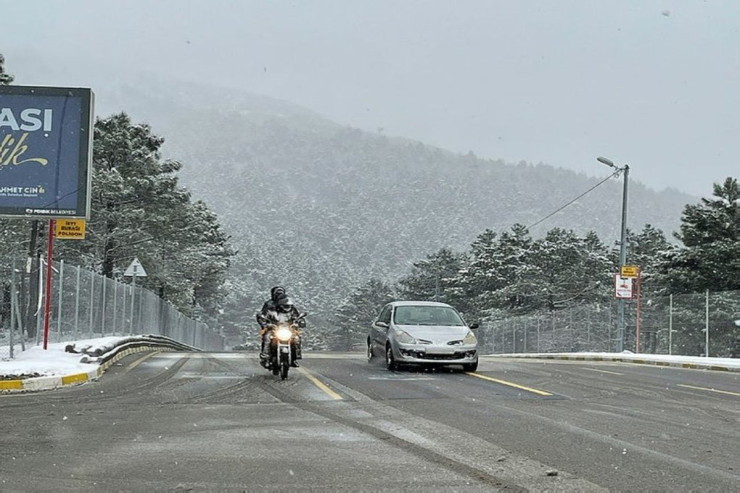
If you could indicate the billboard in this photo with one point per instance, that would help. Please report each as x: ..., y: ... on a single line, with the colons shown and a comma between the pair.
x: 45, y: 152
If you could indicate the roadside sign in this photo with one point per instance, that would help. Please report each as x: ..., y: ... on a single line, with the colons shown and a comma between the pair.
x: 69, y: 229
x: 622, y: 287
x: 135, y: 269
x: 45, y: 152
x: 629, y: 271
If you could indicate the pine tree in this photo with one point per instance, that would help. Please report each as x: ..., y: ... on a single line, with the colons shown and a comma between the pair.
x: 13, y: 234
x: 573, y: 270
x: 139, y: 210
x: 712, y: 220
x: 354, y: 316
x: 710, y: 259
x: 432, y: 279
x: 5, y: 78
x: 478, y: 280
x: 514, y: 272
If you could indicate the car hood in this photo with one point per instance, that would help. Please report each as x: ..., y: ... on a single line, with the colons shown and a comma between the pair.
x: 436, y: 334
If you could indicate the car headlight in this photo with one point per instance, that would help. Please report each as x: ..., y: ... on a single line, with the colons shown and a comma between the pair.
x: 470, y: 338
x: 404, y: 337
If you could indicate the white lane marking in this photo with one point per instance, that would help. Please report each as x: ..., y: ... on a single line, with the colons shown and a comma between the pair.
x: 604, y: 371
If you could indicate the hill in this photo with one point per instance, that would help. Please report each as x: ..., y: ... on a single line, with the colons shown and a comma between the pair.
x: 320, y: 207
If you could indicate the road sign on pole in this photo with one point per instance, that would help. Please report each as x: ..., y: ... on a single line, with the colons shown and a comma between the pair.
x: 135, y: 269
x: 629, y: 271
x: 69, y: 229
x: 622, y: 287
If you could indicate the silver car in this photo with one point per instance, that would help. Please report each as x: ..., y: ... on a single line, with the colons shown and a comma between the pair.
x: 422, y: 333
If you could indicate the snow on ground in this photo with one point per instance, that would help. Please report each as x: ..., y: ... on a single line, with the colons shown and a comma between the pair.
x: 630, y: 356
x: 54, y: 361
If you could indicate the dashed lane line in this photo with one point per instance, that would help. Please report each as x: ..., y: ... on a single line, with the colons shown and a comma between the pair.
x: 727, y: 392
x: 604, y: 371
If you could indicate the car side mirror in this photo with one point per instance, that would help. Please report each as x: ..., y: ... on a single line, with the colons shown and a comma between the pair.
x: 381, y: 324
x: 474, y: 326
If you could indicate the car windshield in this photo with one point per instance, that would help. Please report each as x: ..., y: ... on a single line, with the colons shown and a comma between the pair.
x: 427, y: 315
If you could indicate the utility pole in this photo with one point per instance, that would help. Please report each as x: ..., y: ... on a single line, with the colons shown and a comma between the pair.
x: 622, y: 248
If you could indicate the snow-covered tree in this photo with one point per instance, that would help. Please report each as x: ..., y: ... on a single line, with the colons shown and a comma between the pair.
x: 710, y: 233
x: 514, y: 272
x: 432, y: 279
x: 573, y: 270
x: 478, y: 279
x: 354, y: 316
x: 14, y: 240
x: 139, y: 210
x: 5, y: 78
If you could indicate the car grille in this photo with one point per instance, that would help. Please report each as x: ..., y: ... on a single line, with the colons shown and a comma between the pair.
x: 442, y: 357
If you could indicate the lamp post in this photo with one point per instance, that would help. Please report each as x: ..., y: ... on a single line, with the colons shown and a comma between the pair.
x: 622, y: 246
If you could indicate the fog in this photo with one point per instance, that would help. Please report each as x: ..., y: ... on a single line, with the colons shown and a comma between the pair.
x: 649, y: 84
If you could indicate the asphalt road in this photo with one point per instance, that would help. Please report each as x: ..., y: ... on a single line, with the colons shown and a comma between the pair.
x: 198, y: 421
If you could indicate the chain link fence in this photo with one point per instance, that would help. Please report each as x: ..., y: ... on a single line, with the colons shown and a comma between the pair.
x: 86, y: 305
x: 675, y: 324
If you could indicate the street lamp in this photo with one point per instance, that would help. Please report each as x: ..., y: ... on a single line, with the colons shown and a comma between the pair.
x: 622, y: 247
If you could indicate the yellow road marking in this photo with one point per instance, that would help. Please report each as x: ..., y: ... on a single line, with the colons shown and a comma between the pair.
x: 321, y: 385
x: 604, y: 371
x: 77, y: 377
x: 140, y: 361
x: 509, y: 384
x: 709, y: 390
x: 11, y: 384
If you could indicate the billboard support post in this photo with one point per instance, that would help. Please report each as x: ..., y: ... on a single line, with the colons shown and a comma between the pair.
x: 47, y: 291
x: 638, y: 310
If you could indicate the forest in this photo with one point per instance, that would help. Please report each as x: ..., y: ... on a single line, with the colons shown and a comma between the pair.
x: 349, y: 220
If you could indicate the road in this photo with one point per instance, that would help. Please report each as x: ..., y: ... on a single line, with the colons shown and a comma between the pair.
x: 200, y: 421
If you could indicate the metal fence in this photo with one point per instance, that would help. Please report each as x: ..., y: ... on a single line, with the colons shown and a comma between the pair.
x: 701, y: 324
x: 85, y: 305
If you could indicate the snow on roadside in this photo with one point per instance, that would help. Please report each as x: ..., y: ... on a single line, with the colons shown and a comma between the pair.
x: 630, y: 356
x: 54, y: 361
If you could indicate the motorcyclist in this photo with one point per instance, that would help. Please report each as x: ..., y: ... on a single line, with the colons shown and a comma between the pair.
x: 279, y: 303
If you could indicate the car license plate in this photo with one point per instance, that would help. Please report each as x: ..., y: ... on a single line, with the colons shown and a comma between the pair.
x: 441, y: 350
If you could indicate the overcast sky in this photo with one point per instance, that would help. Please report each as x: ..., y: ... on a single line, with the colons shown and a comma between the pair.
x: 653, y: 84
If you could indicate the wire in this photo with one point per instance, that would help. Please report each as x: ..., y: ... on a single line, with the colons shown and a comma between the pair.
x: 569, y: 203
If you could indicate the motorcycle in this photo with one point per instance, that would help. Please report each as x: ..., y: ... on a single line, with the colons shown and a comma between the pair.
x: 283, y: 333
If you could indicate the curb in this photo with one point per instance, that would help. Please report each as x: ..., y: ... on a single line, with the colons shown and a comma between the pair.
x: 36, y: 384
x: 622, y: 359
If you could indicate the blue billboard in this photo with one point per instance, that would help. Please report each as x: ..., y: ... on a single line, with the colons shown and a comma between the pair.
x: 45, y: 151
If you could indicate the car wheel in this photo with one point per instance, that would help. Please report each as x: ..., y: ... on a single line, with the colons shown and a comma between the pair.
x: 370, y: 354
x: 390, y: 360
x: 470, y: 367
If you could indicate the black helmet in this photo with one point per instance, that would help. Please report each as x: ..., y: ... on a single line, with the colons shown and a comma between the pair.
x: 277, y: 292
x: 285, y: 304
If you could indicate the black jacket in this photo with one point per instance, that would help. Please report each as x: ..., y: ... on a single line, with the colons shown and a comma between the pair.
x: 271, y: 306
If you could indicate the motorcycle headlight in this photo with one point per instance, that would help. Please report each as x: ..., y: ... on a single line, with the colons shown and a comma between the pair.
x: 284, y: 334
x: 404, y: 337
x: 470, y: 338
